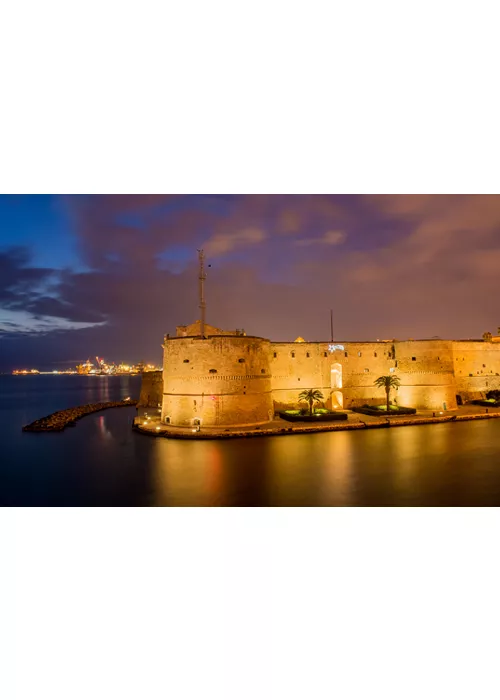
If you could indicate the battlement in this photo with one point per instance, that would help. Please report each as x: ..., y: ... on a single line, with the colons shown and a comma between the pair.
x: 194, y: 329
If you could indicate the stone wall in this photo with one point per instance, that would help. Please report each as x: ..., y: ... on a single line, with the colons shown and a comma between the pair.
x: 221, y: 381
x: 425, y: 369
x: 476, y: 367
x: 151, y: 390
x: 295, y: 367
x: 195, y: 329
x: 236, y: 380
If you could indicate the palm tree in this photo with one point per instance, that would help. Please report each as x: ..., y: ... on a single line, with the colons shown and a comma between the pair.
x: 310, y: 395
x: 388, y: 382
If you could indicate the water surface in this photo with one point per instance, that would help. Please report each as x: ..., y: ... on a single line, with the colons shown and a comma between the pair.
x: 103, y: 462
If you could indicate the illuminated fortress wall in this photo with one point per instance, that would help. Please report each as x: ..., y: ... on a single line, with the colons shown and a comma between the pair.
x: 230, y: 379
x: 476, y: 367
x: 151, y: 389
x: 295, y: 367
x: 425, y: 369
x: 223, y: 380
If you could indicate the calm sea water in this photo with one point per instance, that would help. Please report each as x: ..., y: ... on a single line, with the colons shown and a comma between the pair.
x: 103, y: 462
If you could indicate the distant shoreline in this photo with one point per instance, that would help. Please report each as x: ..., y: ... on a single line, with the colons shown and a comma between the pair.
x: 57, y: 373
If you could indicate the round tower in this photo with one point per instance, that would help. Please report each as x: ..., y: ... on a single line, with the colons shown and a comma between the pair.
x: 220, y: 380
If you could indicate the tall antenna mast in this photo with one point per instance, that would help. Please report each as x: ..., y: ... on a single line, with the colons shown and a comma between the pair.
x: 331, y: 323
x: 202, y: 277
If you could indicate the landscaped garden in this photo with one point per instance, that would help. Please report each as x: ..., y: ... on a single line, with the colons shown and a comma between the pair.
x: 492, y: 399
x: 382, y: 410
x: 387, y: 383
x: 317, y: 412
x: 312, y: 414
x: 319, y: 415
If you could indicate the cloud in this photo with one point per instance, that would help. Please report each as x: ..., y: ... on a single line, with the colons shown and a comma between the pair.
x: 410, y: 266
x: 328, y: 238
x: 24, y: 323
x: 25, y: 307
x: 221, y: 243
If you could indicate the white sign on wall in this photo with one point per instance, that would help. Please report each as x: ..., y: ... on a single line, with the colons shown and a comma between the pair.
x: 332, y: 347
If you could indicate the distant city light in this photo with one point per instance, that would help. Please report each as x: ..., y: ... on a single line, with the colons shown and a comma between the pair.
x: 102, y: 369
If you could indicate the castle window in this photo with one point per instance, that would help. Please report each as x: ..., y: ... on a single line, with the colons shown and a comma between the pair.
x: 242, y: 359
x: 366, y: 369
x: 325, y: 354
x: 359, y: 354
x: 167, y: 419
x: 413, y: 359
x: 293, y: 354
x: 186, y: 360
x: 484, y: 365
x: 345, y: 354
x: 308, y: 354
x: 374, y: 354
x: 212, y: 371
x: 396, y: 363
x: 262, y: 371
x: 275, y: 354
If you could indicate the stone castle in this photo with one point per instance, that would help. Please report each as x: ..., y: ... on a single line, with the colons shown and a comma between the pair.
x: 215, y: 378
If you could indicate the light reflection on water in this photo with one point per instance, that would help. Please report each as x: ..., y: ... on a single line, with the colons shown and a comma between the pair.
x: 103, y: 462
x: 444, y: 464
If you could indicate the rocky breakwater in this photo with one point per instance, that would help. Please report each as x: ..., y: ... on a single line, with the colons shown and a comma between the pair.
x: 62, y: 419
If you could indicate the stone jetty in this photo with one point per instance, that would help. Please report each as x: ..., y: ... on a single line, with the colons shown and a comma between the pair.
x: 62, y: 419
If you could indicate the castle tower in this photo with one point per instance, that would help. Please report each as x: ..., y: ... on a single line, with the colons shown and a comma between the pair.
x: 221, y: 380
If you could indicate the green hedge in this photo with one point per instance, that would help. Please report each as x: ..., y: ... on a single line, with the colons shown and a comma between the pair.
x: 297, y: 417
x: 374, y: 411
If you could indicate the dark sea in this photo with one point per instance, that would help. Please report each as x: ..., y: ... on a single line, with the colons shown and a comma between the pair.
x: 102, y: 462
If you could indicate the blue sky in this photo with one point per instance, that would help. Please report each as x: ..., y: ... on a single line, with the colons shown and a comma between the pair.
x: 42, y: 223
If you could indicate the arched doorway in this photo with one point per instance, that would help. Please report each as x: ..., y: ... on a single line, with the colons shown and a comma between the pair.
x: 337, y: 399
x: 336, y: 385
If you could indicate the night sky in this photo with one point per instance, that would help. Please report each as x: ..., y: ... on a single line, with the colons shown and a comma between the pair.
x: 109, y: 275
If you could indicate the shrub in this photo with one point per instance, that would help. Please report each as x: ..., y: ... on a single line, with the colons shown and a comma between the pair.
x: 381, y: 411
x: 293, y: 416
